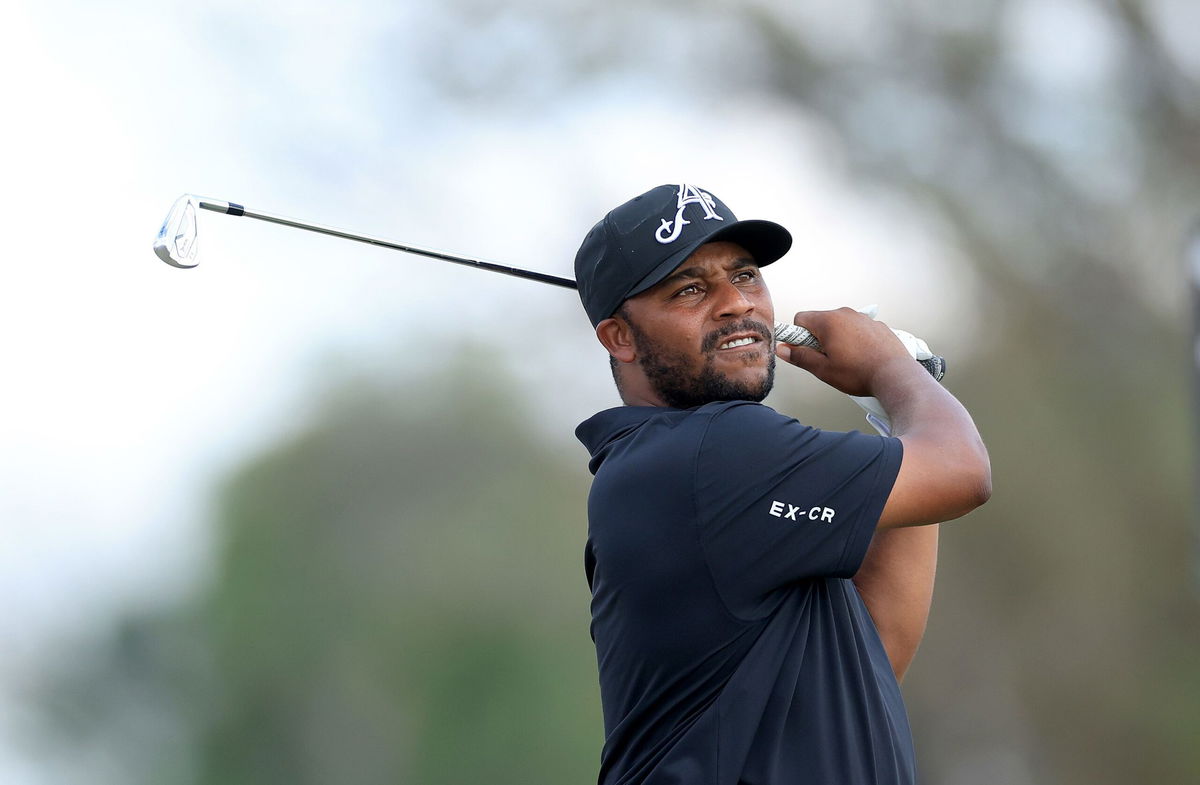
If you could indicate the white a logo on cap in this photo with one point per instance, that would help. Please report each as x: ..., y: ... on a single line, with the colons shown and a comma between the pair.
x: 688, y: 194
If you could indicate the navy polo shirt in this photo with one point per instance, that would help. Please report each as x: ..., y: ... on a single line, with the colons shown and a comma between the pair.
x: 731, y: 644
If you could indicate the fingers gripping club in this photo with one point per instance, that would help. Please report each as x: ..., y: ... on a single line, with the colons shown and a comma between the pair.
x: 796, y: 335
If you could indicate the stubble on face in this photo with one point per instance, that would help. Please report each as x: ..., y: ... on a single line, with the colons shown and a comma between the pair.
x: 672, y: 377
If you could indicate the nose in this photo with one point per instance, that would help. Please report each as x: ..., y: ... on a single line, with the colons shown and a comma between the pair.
x: 732, y: 303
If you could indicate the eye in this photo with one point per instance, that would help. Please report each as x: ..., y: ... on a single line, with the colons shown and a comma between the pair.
x: 745, y: 275
x: 688, y: 290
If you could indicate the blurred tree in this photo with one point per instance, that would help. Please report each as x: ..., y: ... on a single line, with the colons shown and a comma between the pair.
x: 398, y: 597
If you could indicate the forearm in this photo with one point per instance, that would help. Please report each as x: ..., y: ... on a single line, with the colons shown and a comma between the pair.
x: 896, y: 584
x: 912, y: 398
x: 946, y: 472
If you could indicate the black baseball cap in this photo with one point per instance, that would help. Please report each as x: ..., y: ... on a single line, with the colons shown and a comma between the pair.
x: 642, y: 242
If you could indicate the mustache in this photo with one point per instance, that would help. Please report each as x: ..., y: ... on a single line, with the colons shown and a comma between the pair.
x: 715, y: 338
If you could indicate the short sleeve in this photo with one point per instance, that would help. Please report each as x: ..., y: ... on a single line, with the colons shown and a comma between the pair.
x: 778, y: 501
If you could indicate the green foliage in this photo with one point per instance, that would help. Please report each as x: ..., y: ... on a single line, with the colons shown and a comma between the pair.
x: 399, y: 597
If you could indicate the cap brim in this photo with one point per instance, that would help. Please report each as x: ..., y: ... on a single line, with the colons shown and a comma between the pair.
x: 766, y: 241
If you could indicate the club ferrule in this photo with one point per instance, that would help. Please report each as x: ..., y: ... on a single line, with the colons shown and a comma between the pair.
x: 218, y: 206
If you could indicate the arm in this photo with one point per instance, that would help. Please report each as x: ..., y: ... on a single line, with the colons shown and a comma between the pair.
x: 945, y: 472
x: 896, y: 584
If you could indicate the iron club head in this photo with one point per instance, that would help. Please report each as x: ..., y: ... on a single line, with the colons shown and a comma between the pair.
x: 176, y: 240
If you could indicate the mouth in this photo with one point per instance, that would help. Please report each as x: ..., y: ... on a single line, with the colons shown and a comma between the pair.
x: 745, y: 339
x: 740, y: 341
x: 748, y: 337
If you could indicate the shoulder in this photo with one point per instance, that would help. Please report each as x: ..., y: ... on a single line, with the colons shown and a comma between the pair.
x: 741, y: 436
x: 747, y: 421
x: 741, y: 413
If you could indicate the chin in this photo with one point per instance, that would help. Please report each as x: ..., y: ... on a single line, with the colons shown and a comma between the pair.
x: 680, y: 383
x: 712, y: 386
x: 756, y: 371
x: 755, y: 392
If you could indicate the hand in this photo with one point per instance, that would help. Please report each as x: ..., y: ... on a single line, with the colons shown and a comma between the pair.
x: 876, y: 416
x: 856, y: 351
x: 916, y: 347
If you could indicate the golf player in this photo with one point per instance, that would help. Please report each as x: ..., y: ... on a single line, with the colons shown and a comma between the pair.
x: 759, y: 586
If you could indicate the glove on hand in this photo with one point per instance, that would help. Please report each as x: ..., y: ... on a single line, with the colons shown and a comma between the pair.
x: 919, y: 351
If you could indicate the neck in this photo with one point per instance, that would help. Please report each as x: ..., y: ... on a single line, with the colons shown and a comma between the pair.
x: 636, y: 390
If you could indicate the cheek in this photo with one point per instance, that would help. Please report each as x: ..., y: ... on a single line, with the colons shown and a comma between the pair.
x: 677, y: 332
x: 765, y: 305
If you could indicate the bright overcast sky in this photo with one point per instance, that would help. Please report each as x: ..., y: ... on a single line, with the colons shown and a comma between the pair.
x: 131, y: 385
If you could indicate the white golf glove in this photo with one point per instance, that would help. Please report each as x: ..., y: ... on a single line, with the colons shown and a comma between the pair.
x: 919, y: 351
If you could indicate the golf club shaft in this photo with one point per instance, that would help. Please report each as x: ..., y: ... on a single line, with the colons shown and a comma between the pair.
x: 787, y: 333
x: 231, y: 208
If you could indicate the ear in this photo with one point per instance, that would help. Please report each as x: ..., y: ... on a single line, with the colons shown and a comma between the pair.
x: 617, y: 338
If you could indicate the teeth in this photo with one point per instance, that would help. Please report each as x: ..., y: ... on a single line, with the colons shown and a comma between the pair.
x: 738, y: 342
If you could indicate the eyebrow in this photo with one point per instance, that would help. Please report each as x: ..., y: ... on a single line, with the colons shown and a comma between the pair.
x: 739, y: 263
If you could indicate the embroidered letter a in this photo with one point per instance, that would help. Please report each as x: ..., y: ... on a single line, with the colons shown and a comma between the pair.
x: 688, y: 194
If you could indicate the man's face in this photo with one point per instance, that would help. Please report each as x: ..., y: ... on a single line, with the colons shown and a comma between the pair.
x: 705, y: 332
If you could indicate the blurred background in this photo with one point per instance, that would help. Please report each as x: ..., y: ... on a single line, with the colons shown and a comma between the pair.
x: 313, y: 512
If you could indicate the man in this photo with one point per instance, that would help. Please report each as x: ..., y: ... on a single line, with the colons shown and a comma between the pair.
x: 755, y: 597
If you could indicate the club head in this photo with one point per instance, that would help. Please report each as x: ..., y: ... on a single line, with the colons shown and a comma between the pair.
x: 176, y: 241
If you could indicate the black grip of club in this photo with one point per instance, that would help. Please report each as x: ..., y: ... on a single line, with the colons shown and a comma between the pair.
x: 936, y: 365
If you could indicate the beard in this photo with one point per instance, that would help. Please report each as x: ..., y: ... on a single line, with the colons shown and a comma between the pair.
x: 671, y: 374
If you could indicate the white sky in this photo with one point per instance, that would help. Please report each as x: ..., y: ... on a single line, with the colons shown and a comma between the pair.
x: 130, y: 386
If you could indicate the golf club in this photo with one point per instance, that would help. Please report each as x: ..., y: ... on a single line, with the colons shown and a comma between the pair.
x: 176, y: 244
